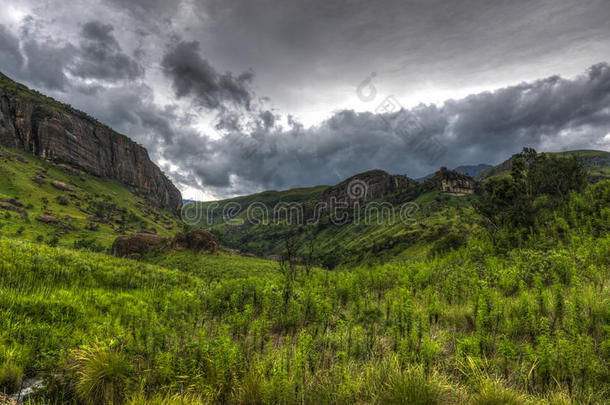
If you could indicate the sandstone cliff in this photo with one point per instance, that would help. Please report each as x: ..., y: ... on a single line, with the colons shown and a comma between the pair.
x: 449, y: 181
x: 368, y: 186
x: 56, y: 132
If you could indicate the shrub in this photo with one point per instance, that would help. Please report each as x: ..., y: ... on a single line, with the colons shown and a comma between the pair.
x: 494, y: 394
x: 411, y: 387
x: 11, y: 376
x: 451, y: 241
x: 54, y: 241
x: 62, y: 200
x: 88, y: 244
x: 101, y: 375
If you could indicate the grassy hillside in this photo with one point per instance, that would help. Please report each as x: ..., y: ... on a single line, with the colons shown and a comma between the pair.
x: 471, y: 325
x: 596, y: 162
x: 376, y: 237
x: 92, y: 215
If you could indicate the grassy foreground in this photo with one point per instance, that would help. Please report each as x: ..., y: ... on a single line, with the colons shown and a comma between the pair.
x: 475, y: 325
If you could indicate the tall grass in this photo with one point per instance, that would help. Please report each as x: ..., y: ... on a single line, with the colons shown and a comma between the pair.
x: 473, y: 325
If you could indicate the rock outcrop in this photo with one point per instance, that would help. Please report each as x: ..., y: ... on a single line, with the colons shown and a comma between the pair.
x: 199, y: 241
x: 47, y: 219
x: 450, y: 181
x: 61, y: 186
x: 59, y: 133
x: 138, y: 244
x: 367, y: 186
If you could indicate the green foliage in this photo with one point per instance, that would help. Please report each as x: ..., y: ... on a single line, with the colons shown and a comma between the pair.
x: 451, y: 241
x: 470, y: 324
x: 88, y: 244
x: 537, y: 183
x: 11, y: 374
x: 101, y: 375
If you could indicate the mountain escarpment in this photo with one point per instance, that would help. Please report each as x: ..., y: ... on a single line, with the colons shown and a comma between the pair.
x: 56, y: 132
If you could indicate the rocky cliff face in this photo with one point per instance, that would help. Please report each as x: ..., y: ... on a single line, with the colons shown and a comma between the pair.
x: 449, y: 181
x: 368, y: 186
x: 64, y: 135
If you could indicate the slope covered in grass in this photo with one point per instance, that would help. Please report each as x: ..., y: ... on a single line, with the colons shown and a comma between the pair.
x: 92, y: 215
x: 475, y: 324
x: 377, y: 235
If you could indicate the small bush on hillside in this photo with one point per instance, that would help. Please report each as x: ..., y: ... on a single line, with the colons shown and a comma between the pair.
x: 11, y: 376
x: 88, y: 244
x: 451, y: 241
x: 62, y: 200
x: 101, y: 375
x: 54, y: 241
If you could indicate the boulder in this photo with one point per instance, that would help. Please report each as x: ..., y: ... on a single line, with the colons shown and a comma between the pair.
x: 47, y: 219
x: 200, y: 240
x: 180, y: 241
x: 15, y: 202
x: 92, y: 227
x: 61, y: 186
x: 21, y: 159
x: 137, y: 244
x: 38, y: 180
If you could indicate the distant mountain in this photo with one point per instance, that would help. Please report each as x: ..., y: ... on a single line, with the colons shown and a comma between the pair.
x: 469, y: 170
x: 365, y: 197
x: 56, y: 132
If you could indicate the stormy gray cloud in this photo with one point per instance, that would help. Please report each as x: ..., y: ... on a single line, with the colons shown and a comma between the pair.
x: 101, y: 57
x: 192, y: 75
x: 9, y: 51
x: 240, y: 96
x: 548, y: 114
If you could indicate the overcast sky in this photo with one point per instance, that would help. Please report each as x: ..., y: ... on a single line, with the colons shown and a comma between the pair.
x: 238, y: 96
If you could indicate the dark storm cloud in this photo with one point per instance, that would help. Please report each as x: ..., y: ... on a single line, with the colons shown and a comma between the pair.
x: 46, y: 63
x: 319, y: 45
x: 9, y: 51
x: 192, y: 75
x: 486, y: 127
x: 309, y: 57
x: 101, y: 56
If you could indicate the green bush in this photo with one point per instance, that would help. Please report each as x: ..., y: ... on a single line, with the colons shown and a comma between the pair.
x: 11, y: 374
x: 451, y: 241
x: 101, y: 375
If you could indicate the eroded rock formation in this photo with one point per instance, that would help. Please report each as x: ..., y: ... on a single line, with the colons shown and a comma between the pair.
x: 138, y: 244
x: 450, y: 181
x: 368, y: 186
x: 56, y: 132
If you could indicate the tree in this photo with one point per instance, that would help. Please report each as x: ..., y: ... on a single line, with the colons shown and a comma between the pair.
x: 515, y: 201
